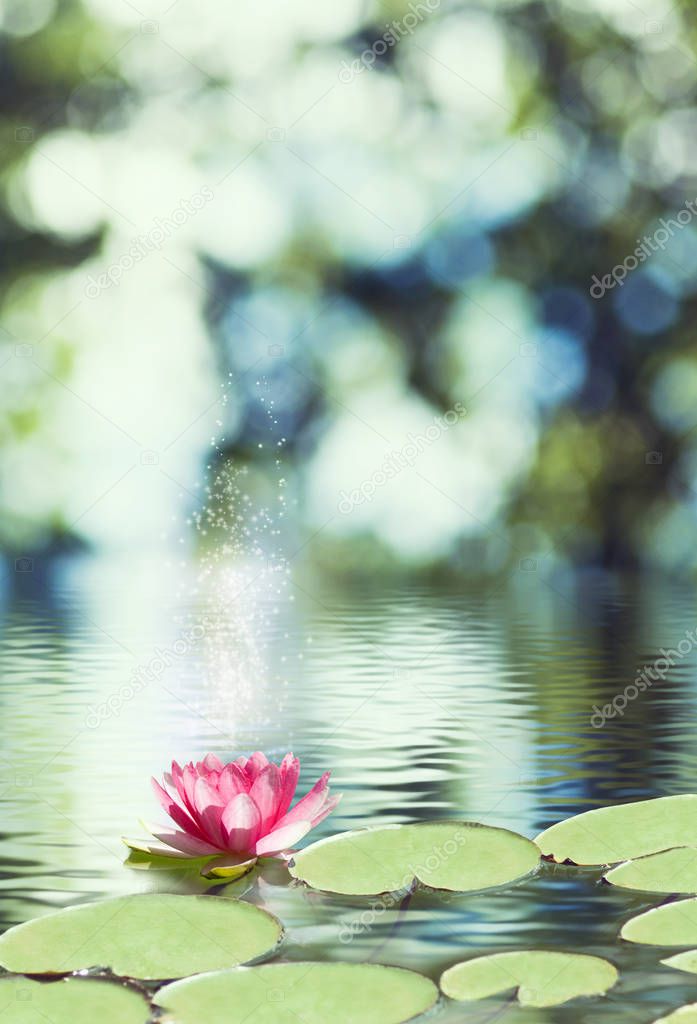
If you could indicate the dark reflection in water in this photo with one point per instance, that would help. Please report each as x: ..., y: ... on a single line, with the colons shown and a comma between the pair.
x: 425, y: 701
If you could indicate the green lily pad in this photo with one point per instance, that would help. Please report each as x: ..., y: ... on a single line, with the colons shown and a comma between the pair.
x: 314, y: 993
x: 541, y: 978
x: 683, y: 1015
x: 674, y: 924
x: 149, y: 936
x: 70, y: 1001
x: 609, y: 835
x: 683, y: 961
x: 667, y: 871
x: 461, y: 856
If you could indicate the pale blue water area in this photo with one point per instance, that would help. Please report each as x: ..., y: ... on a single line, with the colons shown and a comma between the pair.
x: 426, y: 700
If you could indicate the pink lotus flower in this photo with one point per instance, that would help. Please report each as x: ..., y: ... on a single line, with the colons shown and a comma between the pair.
x: 240, y: 809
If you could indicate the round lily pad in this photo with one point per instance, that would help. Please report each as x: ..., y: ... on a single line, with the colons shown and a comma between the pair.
x: 683, y: 1015
x: 314, y: 993
x: 608, y: 835
x: 674, y: 924
x: 667, y: 871
x: 461, y: 856
x: 70, y: 1001
x: 541, y: 978
x: 149, y: 936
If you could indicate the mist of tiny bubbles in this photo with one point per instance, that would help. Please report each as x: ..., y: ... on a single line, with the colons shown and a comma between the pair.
x: 243, y: 579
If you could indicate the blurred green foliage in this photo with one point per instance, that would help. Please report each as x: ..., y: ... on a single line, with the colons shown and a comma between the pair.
x: 410, y: 206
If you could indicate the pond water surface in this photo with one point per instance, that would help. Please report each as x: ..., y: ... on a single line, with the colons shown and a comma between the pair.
x: 425, y: 700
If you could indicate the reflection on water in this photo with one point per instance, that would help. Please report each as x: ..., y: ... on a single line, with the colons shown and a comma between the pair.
x: 425, y: 701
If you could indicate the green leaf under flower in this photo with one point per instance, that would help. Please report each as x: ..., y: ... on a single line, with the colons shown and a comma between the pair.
x: 228, y: 868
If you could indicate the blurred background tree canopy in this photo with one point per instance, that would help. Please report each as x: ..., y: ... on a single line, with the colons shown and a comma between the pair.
x: 375, y: 243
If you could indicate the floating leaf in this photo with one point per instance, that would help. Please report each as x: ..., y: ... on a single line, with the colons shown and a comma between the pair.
x: 683, y: 1015
x: 314, y: 993
x: 608, y: 835
x: 228, y: 867
x: 154, y: 856
x: 668, y: 871
x: 683, y: 961
x: 70, y: 1001
x: 541, y: 978
x: 142, y: 861
x: 674, y: 924
x: 462, y: 856
x: 192, y: 876
x: 149, y: 936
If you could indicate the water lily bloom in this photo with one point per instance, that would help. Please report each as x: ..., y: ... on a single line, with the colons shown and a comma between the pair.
x: 240, y: 810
